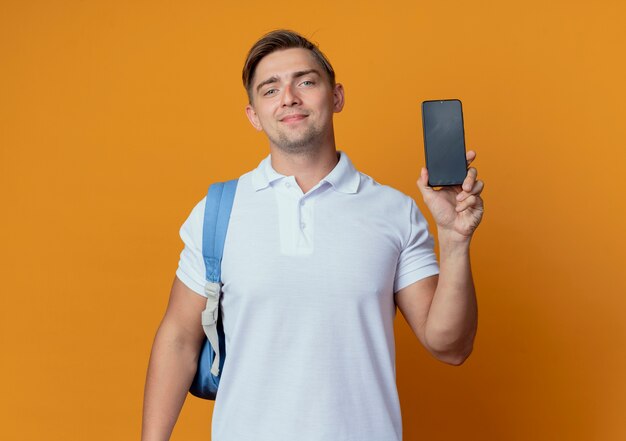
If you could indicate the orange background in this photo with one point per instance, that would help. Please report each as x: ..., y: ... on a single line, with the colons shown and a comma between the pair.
x: 116, y: 115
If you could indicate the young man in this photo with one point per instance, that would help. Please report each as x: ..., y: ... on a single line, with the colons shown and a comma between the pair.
x: 317, y: 257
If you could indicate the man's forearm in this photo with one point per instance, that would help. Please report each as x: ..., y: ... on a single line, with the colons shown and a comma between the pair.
x: 173, y: 364
x: 452, y: 318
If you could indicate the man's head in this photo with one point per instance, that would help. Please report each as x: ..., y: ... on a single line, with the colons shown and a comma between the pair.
x: 276, y: 41
x: 292, y: 94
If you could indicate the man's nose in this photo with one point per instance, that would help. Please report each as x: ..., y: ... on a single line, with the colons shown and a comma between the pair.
x: 290, y: 97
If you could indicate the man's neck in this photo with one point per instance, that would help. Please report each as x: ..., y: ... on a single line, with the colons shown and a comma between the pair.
x: 308, y: 168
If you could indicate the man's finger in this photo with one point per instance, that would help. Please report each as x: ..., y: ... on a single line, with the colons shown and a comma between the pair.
x: 470, y: 155
x: 468, y: 183
x: 473, y: 201
x: 422, y: 182
x: 476, y: 190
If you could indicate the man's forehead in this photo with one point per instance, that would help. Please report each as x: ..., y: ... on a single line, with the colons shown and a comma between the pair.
x: 284, y: 63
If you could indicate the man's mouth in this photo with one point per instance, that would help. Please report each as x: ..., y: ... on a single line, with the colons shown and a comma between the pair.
x: 292, y: 118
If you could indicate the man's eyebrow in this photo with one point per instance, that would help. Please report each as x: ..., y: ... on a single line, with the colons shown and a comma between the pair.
x: 270, y: 80
x: 297, y: 74
x: 305, y: 72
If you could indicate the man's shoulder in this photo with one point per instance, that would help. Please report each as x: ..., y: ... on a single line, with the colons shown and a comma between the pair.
x: 371, y: 187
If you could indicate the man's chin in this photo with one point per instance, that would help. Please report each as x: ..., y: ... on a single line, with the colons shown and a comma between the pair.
x: 300, y: 144
x: 297, y: 147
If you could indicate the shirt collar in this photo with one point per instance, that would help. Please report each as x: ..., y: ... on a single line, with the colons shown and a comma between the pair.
x: 344, y: 177
x: 264, y: 174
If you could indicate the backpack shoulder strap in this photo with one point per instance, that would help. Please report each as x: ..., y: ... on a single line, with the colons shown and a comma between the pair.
x: 219, y: 203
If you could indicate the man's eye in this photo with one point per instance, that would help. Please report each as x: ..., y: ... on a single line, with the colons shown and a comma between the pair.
x: 308, y: 83
x: 270, y: 92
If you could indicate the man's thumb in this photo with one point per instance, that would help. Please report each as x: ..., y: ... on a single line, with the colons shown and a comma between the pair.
x: 422, y: 182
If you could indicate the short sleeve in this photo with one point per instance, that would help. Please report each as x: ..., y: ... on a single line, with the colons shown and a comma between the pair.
x: 191, y: 269
x: 417, y: 259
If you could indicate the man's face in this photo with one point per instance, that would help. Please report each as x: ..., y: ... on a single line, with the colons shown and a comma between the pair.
x: 293, y: 101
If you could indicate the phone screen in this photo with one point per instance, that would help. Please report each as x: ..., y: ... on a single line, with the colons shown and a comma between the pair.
x: 444, y: 142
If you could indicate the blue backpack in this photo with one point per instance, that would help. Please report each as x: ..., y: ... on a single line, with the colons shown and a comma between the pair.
x: 219, y: 203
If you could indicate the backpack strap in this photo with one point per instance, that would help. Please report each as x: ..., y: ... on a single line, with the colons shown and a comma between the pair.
x: 219, y: 203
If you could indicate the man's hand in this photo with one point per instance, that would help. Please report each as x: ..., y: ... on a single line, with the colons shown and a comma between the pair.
x: 457, y: 210
x: 443, y: 311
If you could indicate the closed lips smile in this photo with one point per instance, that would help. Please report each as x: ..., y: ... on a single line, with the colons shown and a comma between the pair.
x: 292, y: 118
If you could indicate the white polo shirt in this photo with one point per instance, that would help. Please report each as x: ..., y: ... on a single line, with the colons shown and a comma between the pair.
x: 308, y: 305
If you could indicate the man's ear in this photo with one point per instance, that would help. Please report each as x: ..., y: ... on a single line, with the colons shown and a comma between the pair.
x: 338, y: 98
x: 253, y: 118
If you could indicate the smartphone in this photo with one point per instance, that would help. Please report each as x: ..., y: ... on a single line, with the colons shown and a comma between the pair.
x: 444, y: 142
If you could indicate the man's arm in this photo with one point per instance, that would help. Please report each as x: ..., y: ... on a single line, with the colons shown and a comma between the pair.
x: 442, y: 310
x: 173, y: 362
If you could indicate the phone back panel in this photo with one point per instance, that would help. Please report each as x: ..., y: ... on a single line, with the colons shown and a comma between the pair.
x: 444, y: 142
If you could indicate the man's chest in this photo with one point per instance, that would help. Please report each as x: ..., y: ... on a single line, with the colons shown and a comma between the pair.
x: 323, y: 243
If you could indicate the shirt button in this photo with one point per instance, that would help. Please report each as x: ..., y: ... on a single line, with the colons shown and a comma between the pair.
x: 302, y: 202
x: 288, y: 184
x: 303, y: 225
